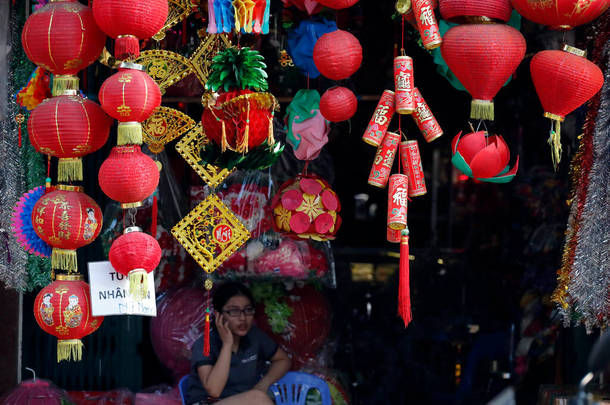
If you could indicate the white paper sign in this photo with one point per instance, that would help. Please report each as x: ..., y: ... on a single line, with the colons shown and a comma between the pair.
x: 110, y: 293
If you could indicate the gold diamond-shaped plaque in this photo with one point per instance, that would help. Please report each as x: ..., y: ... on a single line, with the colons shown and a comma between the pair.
x: 190, y: 146
x: 165, y: 67
x: 211, y: 233
x: 178, y: 11
x: 165, y: 125
x: 201, y: 60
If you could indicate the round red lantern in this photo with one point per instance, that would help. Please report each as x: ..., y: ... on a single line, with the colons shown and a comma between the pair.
x: 128, y: 176
x: 475, y: 11
x: 306, y: 208
x: 561, y: 14
x: 68, y: 127
x: 338, y: 104
x: 36, y: 391
x: 337, y: 4
x: 135, y: 254
x: 63, y: 38
x: 128, y: 21
x: 483, y: 57
x: 564, y: 81
x: 66, y: 219
x: 63, y: 309
x: 337, y: 55
x: 130, y: 96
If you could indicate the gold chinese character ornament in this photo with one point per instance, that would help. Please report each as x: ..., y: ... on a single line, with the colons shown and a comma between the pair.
x: 165, y: 125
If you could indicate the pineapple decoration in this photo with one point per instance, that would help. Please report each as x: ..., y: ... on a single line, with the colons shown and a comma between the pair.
x: 238, y: 113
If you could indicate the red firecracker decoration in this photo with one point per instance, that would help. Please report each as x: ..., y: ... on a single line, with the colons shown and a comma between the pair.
x: 128, y: 176
x: 337, y: 4
x: 63, y: 309
x: 135, y: 254
x: 68, y: 127
x: 66, y: 219
x: 307, y: 208
x: 475, y: 11
x: 564, y: 81
x: 561, y: 14
x: 337, y: 55
x: 128, y: 21
x: 338, y: 104
x: 483, y: 57
x: 63, y: 38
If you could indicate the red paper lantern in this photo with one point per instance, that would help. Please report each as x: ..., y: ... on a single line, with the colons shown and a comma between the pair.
x: 483, y: 57
x: 68, y: 127
x: 337, y: 55
x: 128, y: 176
x: 561, y: 14
x: 63, y: 309
x: 307, y: 208
x: 36, y: 392
x: 471, y: 11
x: 338, y: 104
x: 130, y: 20
x: 337, y: 4
x: 135, y: 254
x: 66, y: 219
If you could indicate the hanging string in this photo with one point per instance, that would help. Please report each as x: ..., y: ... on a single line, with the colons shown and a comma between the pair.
x: 399, y: 148
x: 402, y: 33
x: 307, y: 81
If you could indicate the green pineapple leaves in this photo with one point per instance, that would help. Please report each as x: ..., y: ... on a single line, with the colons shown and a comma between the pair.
x: 235, y: 69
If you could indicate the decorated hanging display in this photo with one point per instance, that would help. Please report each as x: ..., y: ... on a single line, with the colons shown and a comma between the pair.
x: 307, y: 208
x: 338, y: 104
x: 165, y: 125
x: 424, y: 119
x: 427, y: 26
x: 564, y: 81
x: 135, y: 254
x: 483, y: 57
x: 307, y: 129
x: 410, y: 160
x: 398, y: 197
x: 403, y: 84
x: 242, y: 16
x: 66, y: 219
x: 475, y: 11
x: 561, y: 14
x: 384, y: 160
x: 483, y: 157
x: 22, y: 225
x: 63, y: 309
x: 375, y: 131
x: 337, y: 55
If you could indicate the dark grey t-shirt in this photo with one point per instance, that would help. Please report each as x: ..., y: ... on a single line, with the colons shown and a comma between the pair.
x: 246, y: 365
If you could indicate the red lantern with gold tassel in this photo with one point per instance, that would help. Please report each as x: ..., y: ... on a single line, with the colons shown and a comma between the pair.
x: 483, y: 57
x: 129, y: 21
x: 68, y: 127
x: 66, y: 219
x: 561, y: 14
x: 128, y: 176
x: 476, y: 11
x: 564, y: 81
x: 63, y: 309
x: 135, y: 254
x: 63, y: 38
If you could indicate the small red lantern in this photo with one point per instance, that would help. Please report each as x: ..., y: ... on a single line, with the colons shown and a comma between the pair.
x: 483, y: 57
x: 338, y: 104
x: 307, y: 208
x: 63, y: 309
x: 337, y: 55
x: 337, y: 4
x: 130, y: 20
x: 66, y: 219
x: 475, y: 11
x: 63, y: 38
x: 561, y: 14
x: 128, y: 176
x: 135, y: 254
x: 68, y: 127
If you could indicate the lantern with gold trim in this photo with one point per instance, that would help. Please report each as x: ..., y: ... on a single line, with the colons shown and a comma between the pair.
x: 561, y: 14
x: 63, y: 309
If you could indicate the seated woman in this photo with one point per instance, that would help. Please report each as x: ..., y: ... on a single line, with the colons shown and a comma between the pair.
x: 231, y: 374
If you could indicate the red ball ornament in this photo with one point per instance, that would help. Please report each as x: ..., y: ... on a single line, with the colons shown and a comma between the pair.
x: 68, y: 127
x: 337, y: 55
x: 135, y: 254
x: 561, y: 14
x: 66, y: 219
x: 63, y: 309
x: 470, y: 11
x: 128, y: 176
x: 306, y: 208
x: 337, y: 4
x: 338, y: 104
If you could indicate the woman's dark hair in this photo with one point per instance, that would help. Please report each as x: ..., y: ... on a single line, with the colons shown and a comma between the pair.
x: 229, y: 290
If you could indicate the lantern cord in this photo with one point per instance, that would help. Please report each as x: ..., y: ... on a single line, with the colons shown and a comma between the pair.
x: 132, y: 216
x: 48, y: 165
x: 402, y: 35
x: 305, y: 167
x: 399, y: 148
x: 307, y: 81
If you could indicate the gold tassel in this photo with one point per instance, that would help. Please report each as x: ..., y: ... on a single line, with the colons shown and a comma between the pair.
x: 129, y: 133
x: 555, y: 142
x: 224, y: 143
x: 138, y: 284
x: 64, y: 259
x: 70, y: 349
x: 70, y: 169
x: 482, y: 110
x: 243, y: 147
x: 61, y: 83
x: 270, y: 138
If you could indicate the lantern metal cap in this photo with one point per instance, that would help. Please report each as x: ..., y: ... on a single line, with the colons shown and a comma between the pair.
x: 131, y: 65
x: 70, y: 92
x: 65, y: 187
x: 130, y: 229
x: 573, y: 50
x: 69, y: 277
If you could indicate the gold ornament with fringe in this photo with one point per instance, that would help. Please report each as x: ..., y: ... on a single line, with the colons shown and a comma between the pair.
x: 165, y: 125
x: 482, y: 110
x: 129, y: 133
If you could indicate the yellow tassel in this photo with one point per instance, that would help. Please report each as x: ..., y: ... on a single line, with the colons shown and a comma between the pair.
x: 61, y: 83
x: 555, y: 142
x: 138, y: 284
x: 70, y: 349
x: 243, y: 148
x: 129, y: 133
x: 482, y: 110
x: 270, y: 138
x: 224, y: 143
x: 70, y: 169
x: 64, y: 259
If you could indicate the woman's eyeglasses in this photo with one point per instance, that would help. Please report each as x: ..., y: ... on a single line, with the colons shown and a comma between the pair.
x: 236, y: 313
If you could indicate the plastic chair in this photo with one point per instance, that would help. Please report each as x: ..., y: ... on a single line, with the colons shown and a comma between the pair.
x: 182, y: 388
x: 293, y: 387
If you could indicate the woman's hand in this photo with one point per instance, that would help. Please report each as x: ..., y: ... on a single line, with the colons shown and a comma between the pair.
x: 222, y: 325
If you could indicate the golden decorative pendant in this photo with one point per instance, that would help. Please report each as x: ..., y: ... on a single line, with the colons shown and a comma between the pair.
x: 201, y: 60
x: 165, y: 67
x: 178, y: 11
x: 165, y: 125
